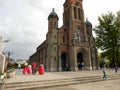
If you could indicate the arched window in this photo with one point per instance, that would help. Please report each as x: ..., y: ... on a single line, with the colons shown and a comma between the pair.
x: 54, y: 23
x: 66, y: 16
x: 64, y: 30
x: 79, y: 16
x: 63, y: 39
x: 75, y: 14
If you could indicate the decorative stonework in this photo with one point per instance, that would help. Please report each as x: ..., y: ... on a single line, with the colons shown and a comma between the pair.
x: 77, y: 37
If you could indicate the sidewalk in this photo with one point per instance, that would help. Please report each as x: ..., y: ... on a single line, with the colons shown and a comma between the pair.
x: 19, y: 77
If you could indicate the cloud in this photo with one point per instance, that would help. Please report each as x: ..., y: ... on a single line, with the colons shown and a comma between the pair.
x: 95, y: 8
x: 20, y: 23
x: 25, y: 22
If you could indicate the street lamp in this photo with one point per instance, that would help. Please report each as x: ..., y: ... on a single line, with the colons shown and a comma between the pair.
x: 9, y: 53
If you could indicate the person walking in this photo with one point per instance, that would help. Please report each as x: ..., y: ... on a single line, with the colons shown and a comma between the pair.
x: 104, y: 71
x: 116, y: 68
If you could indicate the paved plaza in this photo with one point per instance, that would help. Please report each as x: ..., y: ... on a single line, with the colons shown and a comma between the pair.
x: 102, y: 85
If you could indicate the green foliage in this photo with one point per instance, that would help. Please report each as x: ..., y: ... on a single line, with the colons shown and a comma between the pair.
x: 99, y: 57
x: 1, y: 73
x: 108, y: 36
x: 22, y: 65
x: 12, y: 65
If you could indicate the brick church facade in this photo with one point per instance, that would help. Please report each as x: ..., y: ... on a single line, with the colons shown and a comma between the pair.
x: 69, y: 45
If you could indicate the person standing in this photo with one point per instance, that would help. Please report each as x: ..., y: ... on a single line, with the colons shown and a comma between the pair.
x: 34, y: 66
x: 82, y: 64
x: 116, y: 68
x: 104, y: 71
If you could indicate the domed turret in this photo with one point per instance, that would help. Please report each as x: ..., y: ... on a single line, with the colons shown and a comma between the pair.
x: 72, y: 0
x: 53, y: 15
x: 88, y: 23
x: 53, y: 20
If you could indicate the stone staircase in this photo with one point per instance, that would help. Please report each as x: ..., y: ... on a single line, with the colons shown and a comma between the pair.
x: 56, y: 82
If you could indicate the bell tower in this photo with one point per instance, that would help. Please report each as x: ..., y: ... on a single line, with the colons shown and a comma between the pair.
x: 73, y: 18
x: 52, y: 41
x: 53, y: 20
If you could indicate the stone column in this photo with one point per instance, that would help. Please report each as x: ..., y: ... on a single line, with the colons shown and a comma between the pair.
x: 90, y: 60
x: 75, y: 60
x: 59, y: 64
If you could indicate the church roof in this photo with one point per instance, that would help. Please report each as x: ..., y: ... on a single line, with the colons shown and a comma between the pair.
x: 53, y: 15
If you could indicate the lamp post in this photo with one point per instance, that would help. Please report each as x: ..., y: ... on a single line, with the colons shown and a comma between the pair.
x: 9, y: 53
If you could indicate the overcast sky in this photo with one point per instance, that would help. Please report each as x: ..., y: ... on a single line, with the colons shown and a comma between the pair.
x: 25, y: 24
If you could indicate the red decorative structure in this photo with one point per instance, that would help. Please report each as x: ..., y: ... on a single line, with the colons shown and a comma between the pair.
x: 25, y: 70
x: 41, y: 69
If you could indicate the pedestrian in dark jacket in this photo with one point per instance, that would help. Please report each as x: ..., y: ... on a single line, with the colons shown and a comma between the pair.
x: 104, y: 71
x: 116, y: 68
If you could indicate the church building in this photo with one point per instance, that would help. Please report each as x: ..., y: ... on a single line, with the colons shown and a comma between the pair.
x: 71, y: 44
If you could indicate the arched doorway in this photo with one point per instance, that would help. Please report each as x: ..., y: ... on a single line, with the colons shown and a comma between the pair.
x: 63, y: 61
x: 83, y: 56
x: 79, y: 59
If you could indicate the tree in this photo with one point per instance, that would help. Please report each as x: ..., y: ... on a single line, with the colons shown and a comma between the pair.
x: 108, y: 36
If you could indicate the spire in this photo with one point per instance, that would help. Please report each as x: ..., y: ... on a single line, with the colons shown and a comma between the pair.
x: 53, y: 14
x: 88, y: 23
x: 53, y: 10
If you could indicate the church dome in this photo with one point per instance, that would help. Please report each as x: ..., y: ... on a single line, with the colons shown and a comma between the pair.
x: 53, y: 15
x: 88, y: 23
